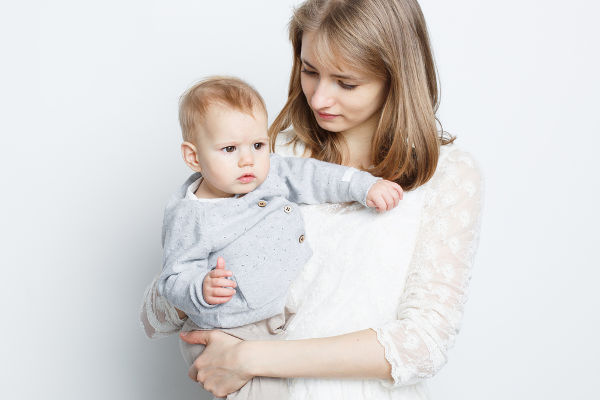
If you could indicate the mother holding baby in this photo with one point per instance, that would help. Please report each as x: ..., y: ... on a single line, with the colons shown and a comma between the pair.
x: 380, y: 302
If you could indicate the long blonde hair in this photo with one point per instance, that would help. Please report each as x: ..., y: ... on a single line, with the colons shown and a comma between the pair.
x: 389, y: 39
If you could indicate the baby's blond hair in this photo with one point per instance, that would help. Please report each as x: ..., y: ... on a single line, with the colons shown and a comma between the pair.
x: 227, y: 91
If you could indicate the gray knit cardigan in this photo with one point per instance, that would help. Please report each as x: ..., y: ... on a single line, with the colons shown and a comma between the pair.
x: 260, y: 235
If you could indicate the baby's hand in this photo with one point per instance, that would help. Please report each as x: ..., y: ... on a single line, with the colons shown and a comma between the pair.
x: 215, y: 287
x: 384, y: 195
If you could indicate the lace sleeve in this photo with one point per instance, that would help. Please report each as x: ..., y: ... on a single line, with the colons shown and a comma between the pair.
x: 431, y: 307
x: 157, y: 316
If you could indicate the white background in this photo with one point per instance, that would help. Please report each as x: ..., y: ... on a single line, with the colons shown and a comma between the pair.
x: 90, y: 152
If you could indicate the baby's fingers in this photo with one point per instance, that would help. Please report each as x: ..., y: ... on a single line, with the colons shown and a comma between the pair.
x: 396, y: 196
x: 222, y: 282
x: 379, y: 203
x: 217, y: 300
x: 389, y: 201
x: 221, y: 292
x: 220, y: 263
x: 398, y: 190
x: 220, y: 273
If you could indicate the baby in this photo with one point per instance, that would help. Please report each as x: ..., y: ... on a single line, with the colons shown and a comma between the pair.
x: 239, y: 208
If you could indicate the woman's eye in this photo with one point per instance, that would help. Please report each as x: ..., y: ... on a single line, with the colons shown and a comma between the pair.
x: 346, y: 86
x: 258, y: 146
x: 228, y: 149
x: 308, y: 72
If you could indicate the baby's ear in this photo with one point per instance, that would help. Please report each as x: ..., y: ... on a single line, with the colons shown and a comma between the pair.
x: 190, y: 156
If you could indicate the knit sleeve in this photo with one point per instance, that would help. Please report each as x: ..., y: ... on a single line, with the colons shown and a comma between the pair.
x: 311, y: 181
x: 431, y: 307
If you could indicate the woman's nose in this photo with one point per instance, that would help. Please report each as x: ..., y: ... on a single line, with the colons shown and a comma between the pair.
x: 322, y: 96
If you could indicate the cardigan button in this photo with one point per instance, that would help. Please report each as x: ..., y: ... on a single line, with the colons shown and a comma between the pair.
x: 301, y: 239
x: 287, y: 209
x: 262, y: 203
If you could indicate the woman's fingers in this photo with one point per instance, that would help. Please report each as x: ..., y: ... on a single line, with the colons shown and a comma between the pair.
x: 193, y: 373
x: 217, y: 368
x: 196, y: 337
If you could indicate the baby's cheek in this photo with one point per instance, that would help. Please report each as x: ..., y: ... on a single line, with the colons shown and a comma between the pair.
x: 265, y: 171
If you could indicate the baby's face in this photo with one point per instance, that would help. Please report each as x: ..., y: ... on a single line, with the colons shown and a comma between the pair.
x: 233, y: 150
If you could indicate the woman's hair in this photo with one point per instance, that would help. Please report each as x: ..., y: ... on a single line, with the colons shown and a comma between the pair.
x: 388, y: 39
x: 225, y: 90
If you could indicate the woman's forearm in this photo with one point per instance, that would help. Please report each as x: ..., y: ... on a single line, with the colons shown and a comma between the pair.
x: 180, y: 314
x: 158, y: 317
x: 353, y: 355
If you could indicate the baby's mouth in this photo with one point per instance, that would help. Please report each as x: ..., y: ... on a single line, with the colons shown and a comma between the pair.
x: 246, y: 178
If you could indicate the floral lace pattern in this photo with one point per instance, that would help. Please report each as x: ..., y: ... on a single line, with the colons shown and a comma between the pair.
x: 431, y: 307
x: 157, y: 316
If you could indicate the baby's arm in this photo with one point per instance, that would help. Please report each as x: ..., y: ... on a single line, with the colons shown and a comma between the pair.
x: 312, y: 181
x: 185, y: 257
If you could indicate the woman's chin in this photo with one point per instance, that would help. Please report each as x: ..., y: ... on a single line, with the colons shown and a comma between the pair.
x: 331, y: 126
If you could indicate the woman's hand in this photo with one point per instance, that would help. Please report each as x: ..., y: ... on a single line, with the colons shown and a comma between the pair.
x: 220, y: 366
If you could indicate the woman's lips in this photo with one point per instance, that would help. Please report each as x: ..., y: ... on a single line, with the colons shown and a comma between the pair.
x: 326, y: 116
x: 247, y: 178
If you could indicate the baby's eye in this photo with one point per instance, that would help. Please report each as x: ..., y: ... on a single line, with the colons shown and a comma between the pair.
x: 258, y: 146
x: 228, y: 149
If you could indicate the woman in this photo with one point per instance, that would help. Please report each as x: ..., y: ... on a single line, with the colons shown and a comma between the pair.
x: 383, y: 295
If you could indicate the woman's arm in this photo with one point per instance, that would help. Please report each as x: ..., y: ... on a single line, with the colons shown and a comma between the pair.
x: 157, y: 316
x: 353, y: 355
x: 431, y: 308
x: 228, y: 363
x: 429, y: 313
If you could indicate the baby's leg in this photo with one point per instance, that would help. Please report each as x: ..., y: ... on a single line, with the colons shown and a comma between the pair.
x: 261, y: 330
x: 190, y: 351
x: 259, y: 388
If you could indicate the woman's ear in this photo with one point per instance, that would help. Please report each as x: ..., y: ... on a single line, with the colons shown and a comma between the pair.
x: 190, y: 156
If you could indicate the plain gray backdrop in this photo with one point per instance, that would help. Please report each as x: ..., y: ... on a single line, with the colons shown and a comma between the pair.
x: 90, y: 152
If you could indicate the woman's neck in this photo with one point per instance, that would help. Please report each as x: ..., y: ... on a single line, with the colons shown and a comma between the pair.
x: 358, y: 144
x: 358, y: 152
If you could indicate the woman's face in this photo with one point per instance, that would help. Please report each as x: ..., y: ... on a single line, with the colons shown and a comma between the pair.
x: 343, y: 100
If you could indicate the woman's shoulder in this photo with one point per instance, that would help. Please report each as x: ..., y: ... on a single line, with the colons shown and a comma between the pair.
x: 455, y: 157
x: 456, y: 166
x: 287, y: 144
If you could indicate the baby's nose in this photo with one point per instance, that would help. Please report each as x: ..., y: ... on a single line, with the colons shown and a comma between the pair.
x: 246, y: 158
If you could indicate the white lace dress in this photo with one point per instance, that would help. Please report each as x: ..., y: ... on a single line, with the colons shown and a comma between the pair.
x: 403, y: 273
